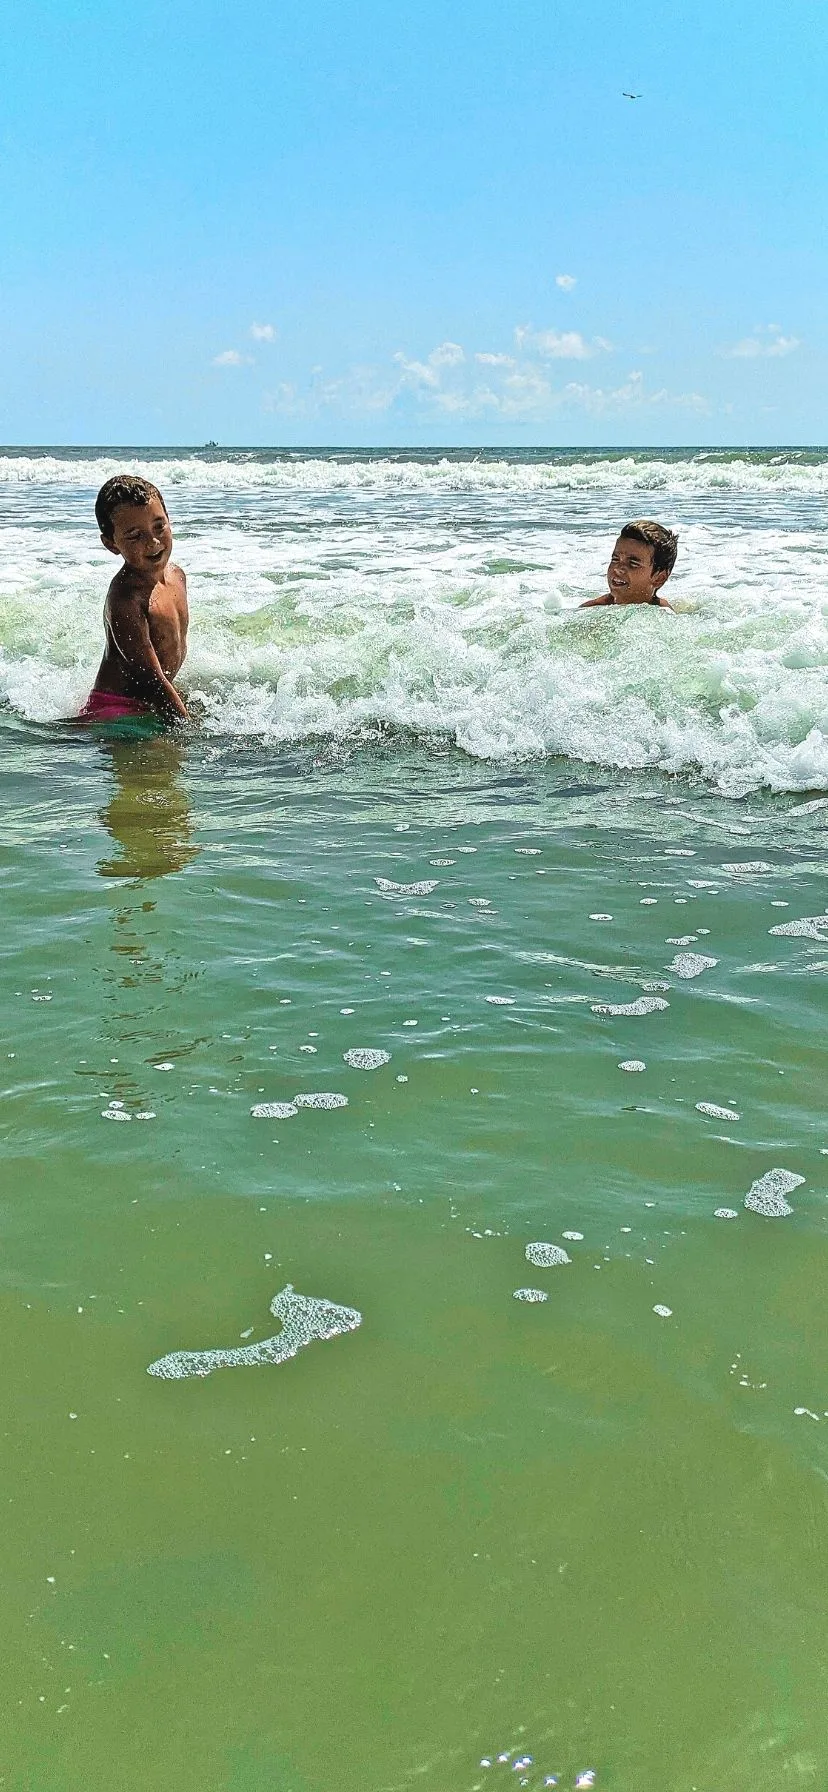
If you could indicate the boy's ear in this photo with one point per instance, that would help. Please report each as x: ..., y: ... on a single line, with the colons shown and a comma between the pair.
x: 109, y: 545
x: 659, y: 578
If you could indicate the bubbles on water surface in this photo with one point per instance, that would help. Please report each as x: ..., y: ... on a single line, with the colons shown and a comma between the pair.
x: 273, y: 1110
x: 501, y: 1001
x: 748, y: 867
x: 421, y: 889
x: 767, y: 1194
x: 691, y: 964
x: 643, y: 1005
x: 573, y: 1237
x: 363, y: 1057
x: 165, y: 1066
x: 663, y: 1312
x: 725, y: 1213
x: 546, y: 1256
x: 809, y: 927
x: 322, y: 1100
x: 715, y: 1113
x: 530, y: 1295
x: 303, y: 1319
x: 632, y: 1064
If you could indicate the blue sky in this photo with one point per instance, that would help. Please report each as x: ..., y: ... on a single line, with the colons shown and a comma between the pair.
x: 362, y: 223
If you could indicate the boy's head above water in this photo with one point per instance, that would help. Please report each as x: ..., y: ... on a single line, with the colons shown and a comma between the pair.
x: 133, y: 521
x: 642, y: 561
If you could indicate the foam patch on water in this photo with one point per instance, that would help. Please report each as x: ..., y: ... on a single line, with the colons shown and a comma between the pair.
x: 303, y: 1320
x: 643, y: 1005
x: 632, y: 1064
x: 684, y: 939
x: 715, y: 1113
x: 663, y: 1312
x: 364, y: 1057
x: 531, y: 1295
x: 767, y: 1194
x: 809, y: 927
x: 574, y: 1237
x: 749, y: 867
x: 421, y: 889
x: 273, y: 1110
x: 501, y: 1001
x: 546, y: 1256
x: 691, y: 964
x: 322, y: 1100
x: 725, y: 1213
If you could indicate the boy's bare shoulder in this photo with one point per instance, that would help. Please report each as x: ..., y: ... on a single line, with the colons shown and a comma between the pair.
x: 126, y: 589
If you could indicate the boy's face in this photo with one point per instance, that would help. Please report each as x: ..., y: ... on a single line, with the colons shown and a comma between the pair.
x: 141, y: 533
x: 630, y: 573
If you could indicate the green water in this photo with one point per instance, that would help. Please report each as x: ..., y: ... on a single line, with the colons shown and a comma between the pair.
x: 572, y: 1530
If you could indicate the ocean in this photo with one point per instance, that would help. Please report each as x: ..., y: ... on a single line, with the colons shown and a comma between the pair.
x: 471, y: 1222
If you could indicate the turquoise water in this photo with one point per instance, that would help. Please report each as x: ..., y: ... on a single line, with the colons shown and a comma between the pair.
x: 585, y: 1533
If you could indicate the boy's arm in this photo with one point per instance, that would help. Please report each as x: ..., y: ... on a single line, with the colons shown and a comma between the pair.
x: 129, y: 625
x: 593, y: 603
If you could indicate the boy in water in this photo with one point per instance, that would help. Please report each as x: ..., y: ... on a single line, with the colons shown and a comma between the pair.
x: 145, y: 614
x: 642, y: 561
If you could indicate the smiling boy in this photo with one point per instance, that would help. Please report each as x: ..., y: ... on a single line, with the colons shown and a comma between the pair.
x: 642, y: 561
x: 145, y: 614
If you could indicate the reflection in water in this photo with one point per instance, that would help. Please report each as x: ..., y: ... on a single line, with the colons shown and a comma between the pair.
x: 148, y: 815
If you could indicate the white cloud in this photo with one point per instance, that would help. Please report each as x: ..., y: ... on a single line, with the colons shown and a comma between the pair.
x: 631, y: 395
x: 263, y: 332
x: 416, y: 373
x: 447, y: 354
x: 767, y: 340
x: 560, y: 345
x: 523, y: 386
x: 230, y: 357
x: 565, y: 282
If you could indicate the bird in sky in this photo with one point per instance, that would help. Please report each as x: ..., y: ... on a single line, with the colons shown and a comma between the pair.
x: 632, y: 96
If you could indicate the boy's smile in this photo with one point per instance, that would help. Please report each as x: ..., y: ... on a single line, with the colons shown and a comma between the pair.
x: 630, y: 573
x: 141, y: 534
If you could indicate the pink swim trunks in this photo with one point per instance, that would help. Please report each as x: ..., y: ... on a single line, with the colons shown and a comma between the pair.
x: 110, y: 706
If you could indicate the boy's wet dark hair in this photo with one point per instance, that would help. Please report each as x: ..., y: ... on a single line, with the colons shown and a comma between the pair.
x: 124, y: 488
x: 663, y: 542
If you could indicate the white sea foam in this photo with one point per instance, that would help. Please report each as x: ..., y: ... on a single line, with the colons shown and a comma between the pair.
x: 303, y: 1320
x: 691, y: 964
x: 530, y: 1294
x: 644, y: 1005
x: 767, y: 1194
x: 810, y: 927
x: 725, y: 1213
x: 632, y: 1064
x: 714, y: 1113
x: 322, y: 1100
x: 362, y: 1057
x: 546, y: 1256
x: 422, y: 889
x: 335, y: 596
x: 274, y: 1110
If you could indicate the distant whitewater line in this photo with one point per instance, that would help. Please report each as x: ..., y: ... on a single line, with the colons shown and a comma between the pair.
x: 802, y: 472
